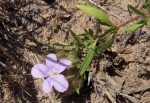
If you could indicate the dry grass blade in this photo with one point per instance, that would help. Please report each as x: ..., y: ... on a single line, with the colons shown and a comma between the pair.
x: 140, y: 89
x: 132, y: 99
x: 113, y: 100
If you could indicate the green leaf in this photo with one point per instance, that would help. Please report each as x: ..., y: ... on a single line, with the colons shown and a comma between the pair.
x: 108, y: 31
x: 143, y: 21
x: 88, y: 42
x: 84, y: 76
x: 133, y: 27
x: 77, y: 39
x: 102, y: 23
x: 137, y: 11
x: 62, y: 44
x: 75, y: 60
x: 60, y: 95
x: 148, y: 23
x: 50, y: 49
x: 85, y: 36
x: 78, y: 51
x: 146, y: 6
x: 89, y: 32
x: 97, y: 13
x: 70, y: 77
x: 106, y: 44
x: 77, y: 88
x: 88, y: 35
x: 85, y: 64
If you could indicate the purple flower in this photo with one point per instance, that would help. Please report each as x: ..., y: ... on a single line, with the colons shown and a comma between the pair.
x: 51, y: 71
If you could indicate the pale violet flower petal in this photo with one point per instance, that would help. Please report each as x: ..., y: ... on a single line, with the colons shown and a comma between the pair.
x: 51, y: 71
x: 60, y: 83
x: 47, y: 85
x: 40, y: 71
x: 51, y: 60
x: 62, y: 65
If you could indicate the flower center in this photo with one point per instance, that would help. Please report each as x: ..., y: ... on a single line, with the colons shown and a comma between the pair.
x: 53, y: 73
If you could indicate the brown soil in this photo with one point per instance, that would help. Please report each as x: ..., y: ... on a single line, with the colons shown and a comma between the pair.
x: 120, y: 74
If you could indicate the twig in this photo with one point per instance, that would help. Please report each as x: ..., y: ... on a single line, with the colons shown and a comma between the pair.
x: 107, y: 11
x: 129, y: 21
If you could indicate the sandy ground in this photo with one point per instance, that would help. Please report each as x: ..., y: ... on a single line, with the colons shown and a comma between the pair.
x: 120, y: 74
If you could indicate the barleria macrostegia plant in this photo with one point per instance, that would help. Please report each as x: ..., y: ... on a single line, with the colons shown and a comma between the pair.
x: 87, y: 43
x: 111, y: 32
